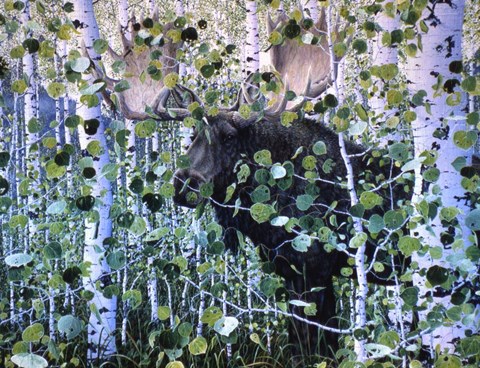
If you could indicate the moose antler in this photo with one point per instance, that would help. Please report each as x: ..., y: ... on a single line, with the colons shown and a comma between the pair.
x: 309, y: 64
x: 143, y: 91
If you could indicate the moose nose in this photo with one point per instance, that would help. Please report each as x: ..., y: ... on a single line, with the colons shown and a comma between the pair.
x: 187, y: 184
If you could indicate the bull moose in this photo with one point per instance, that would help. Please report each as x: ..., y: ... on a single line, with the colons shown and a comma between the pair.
x: 228, y: 140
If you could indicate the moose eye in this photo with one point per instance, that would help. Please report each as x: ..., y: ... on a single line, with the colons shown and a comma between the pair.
x: 229, y: 137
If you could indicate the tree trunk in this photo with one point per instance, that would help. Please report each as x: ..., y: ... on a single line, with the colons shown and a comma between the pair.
x: 310, y: 8
x: 434, y: 132
x: 252, y: 50
x: 102, y: 319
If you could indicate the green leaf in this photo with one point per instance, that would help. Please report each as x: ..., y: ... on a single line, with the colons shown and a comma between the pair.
x: 211, y: 315
x: 359, y: 45
x: 473, y: 220
x: 185, y: 329
x: 275, y: 38
x: 157, y: 234
x: 448, y: 361
x: 278, y: 171
x: 469, y: 346
x: 459, y: 163
x: 80, y: 65
x: 4, y: 159
x: 226, y: 325
x: 100, y: 46
x: 92, y: 89
x: 389, y: 338
x: 301, y: 243
x: 19, y: 86
x: 116, y: 260
x: 469, y: 84
x: 398, y: 151
x: 138, y: 227
x: 17, y: 52
x: 411, y: 50
x: 410, y: 296
x: 70, y: 325
x: 18, y: 220
x: 207, y: 70
x: 319, y: 148
x: 340, y: 49
x: 376, y: 224
x: 409, y: 116
x: 263, y: 157
x: 309, y: 162
x: 171, y: 80
x: 260, y: 194
x: 198, y: 346
x: 304, y: 202
x: 53, y: 250
x: 358, y: 128
x: 473, y: 118
x: 5, y: 204
x: 431, y: 175
x: 121, y: 86
x: 163, y: 312
x: 175, y: 364
x: 357, y: 210
x: 330, y: 101
x: 31, y: 45
x: 437, y: 275
x: 261, y: 212
x: 57, y: 207
x: 133, y: 297
x: 29, y: 360
x: 33, y: 333
x: 94, y: 148
x: 394, y: 97
x: 145, y: 128
x: 465, y: 139
x: 370, y: 200
x: 393, y: 219
x: 206, y: 190
x: 18, y: 260
x: 388, y: 71
x: 407, y: 245
x: 358, y: 240
x: 361, y: 113
x: 56, y: 90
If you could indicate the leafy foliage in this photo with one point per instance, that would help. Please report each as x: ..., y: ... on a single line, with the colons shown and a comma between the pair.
x: 209, y: 302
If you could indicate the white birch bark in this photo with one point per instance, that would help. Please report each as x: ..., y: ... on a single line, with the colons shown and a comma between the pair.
x: 30, y: 110
x: 252, y: 49
x: 101, y: 324
x: 383, y: 55
x: 123, y: 18
x: 179, y: 8
x: 441, y: 46
x: 310, y: 9
x: 362, y: 287
x: 30, y: 96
